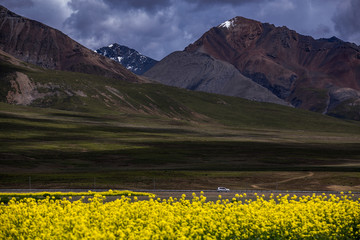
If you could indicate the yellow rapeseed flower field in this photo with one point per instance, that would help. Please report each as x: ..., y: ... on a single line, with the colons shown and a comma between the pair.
x: 277, y: 217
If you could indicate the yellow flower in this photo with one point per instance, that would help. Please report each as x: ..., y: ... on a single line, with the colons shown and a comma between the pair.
x: 304, y: 217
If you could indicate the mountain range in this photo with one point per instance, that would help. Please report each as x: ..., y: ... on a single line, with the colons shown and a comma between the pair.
x: 128, y: 57
x: 240, y: 57
x: 318, y: 75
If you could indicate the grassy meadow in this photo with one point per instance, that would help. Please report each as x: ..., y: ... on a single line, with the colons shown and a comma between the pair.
x: 94, y: 132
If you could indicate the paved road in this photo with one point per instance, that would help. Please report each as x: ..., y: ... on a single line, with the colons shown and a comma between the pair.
x: 186, y: 191
x: 211, y: 195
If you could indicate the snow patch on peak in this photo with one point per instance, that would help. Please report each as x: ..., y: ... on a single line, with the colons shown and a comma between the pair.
x: 111, y: 45
x: 227, y: 24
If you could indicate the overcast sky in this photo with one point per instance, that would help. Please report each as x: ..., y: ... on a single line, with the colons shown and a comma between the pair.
x: 158, y: 27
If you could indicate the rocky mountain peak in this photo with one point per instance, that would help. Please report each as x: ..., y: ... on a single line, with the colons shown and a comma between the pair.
x: 128, y: 57
x: 239, y: 23
x: 238, y: 33
x: 298, y: 69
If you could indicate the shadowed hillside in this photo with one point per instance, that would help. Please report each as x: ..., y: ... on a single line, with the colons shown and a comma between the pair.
x: 36, y: 43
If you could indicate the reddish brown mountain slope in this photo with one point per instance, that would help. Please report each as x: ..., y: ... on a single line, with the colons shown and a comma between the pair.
x: 36, y: 43
x: 313, y: 74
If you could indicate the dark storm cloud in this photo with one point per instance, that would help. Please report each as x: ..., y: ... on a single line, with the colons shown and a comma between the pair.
x: 50, y: 12
x: 232, y: 2
x: 159, y: 27
x: 347, y: 20
x: 139, y: 4
x: 139, y: 25
x: 17, y: 3
x: 154, y: 27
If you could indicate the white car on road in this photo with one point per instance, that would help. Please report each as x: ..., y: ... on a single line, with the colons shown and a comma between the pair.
x: 223, y: 189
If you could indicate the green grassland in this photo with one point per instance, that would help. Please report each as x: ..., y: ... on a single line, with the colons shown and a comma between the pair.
x: 91, y: 131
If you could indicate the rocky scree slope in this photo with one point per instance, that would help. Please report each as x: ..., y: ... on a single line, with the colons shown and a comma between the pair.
x: 201, y: 72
